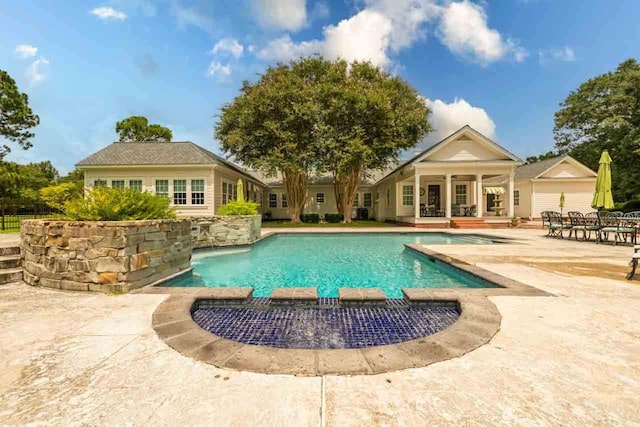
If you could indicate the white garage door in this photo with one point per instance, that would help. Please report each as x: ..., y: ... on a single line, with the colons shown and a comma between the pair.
x: 577, y: 195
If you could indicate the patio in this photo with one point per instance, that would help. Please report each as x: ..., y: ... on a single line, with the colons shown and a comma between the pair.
x: 572, y: 359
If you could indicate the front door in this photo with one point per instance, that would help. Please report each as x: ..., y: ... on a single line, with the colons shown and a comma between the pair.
x: 491, y: 202
x: 433, y: 196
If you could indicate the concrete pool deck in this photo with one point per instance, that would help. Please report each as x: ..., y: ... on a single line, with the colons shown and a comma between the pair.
x: 573, y: 359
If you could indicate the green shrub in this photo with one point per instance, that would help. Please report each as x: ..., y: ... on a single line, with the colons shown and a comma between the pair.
x: 55, y: 196
x: 268, y: 214
x: 114, y: 204
x: 310, y: 218
x: 238, y: 207
x: 333, y: 217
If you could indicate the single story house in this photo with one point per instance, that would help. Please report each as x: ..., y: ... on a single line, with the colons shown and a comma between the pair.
x: 196, y: 180
x: 465, y: 178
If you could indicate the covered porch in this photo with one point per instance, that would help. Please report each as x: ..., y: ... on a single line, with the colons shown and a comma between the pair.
x: 435, y: 196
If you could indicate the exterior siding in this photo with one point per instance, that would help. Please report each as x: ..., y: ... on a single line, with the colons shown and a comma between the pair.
x: 149, y: 176
x: 224, y: 174
x: 523, y: 210
x: 465, y: 150
x: 312, y: 206
x: 578, y: 196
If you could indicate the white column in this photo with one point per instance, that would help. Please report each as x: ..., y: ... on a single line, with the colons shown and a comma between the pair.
x: 511, y: 188
x: 479, y: 201
x: 447, y: 199
x: 416, y: 196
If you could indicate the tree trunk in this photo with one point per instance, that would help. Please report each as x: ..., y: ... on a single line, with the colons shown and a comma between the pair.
x: 345, y: 186
x: 295, y: 187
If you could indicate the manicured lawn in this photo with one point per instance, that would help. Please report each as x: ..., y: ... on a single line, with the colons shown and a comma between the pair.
x: 354, y: 224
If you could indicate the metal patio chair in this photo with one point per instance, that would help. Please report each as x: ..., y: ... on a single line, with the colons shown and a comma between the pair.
x: 546, y: 221
x: 591, y: 224
x: 577, y: 224
x: 557, y: 225
x: 610, y: 222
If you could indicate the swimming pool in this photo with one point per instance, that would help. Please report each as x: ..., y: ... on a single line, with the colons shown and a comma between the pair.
x: 332, y: 261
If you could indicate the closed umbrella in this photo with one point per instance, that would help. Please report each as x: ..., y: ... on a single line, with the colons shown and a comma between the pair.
x: 240, y: 196
x: 602, y: 198
x: 561, y: 202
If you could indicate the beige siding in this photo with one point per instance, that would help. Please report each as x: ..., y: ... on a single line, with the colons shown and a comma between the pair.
x: 224, y: 174
x: 386, y: 197
x: 149, y: 177
x: 523, y: 209
x: 466, y: 150
x: 566, y: 169
x: 312, y: 205
x: 578, y: 196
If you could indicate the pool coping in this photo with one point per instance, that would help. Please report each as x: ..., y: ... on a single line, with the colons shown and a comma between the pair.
x: 479, y: 321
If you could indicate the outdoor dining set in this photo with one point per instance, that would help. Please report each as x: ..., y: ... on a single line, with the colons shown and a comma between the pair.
x: 624, y: 227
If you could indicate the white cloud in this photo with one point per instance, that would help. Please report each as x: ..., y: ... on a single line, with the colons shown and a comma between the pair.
x: 408, y: 18
x: 35, y: 72
x: 229, y: 45
x: 363, y: 37
x: 564, y: 54
x: 464, y: 30
x: 290, y: 15
x: 26, y: 51
x: 107, y: 13
x: 218, y: 71
x: 448, y: 118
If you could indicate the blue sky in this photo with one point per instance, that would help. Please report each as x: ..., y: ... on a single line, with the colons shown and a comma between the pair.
x: 501, y: 66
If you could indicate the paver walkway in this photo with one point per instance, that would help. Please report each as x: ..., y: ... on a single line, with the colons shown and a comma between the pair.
x: 573, y: 359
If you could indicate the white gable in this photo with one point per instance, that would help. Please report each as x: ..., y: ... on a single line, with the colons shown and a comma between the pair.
x: 567, y: 169
x: 466, y: 148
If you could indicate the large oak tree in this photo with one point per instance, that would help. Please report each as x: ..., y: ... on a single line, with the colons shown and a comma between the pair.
x: 272, y: 126
x: 604, y: 113
x: 16, y: 118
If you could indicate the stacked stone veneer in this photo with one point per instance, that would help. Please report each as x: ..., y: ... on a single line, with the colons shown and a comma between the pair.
x: 225, y: 230
x: 103, y: 256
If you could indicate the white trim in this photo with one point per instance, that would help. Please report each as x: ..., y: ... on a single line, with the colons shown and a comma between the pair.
x: 572, y: 161
x: 475, y: 135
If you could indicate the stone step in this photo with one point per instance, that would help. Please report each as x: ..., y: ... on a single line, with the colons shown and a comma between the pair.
x: 10, y: 275
x: 469, y: 223
x: 11, y: 261
x: 9, y: 250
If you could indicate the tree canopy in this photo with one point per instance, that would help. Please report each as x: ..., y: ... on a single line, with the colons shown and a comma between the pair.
x: 604, y: 113
x: 315, y: 116
x: 16, y: 117
x: 138, y: 129
x: 22, y: 183
x: 545, y: 156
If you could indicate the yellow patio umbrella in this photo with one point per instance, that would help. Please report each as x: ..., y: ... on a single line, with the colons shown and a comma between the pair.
x: 240, y: 196
x: 561, y: 202
x: 602, y: 198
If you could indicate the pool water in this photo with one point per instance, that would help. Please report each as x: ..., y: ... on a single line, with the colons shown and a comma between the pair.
x: 332, y: 261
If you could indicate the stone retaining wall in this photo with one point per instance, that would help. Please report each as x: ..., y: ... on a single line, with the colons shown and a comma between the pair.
x: 225, y: 230
x: 103, y: 256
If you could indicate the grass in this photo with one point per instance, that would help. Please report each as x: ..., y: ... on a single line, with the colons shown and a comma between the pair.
x: 354, y: 224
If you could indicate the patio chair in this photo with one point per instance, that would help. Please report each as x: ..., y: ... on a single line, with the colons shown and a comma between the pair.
x: 557, y: 225
x: 455, y: 210
x: 591, y: 224
x: 610, y: 222
x: 635, y: 258
x: 546, y: 222
x: 578, y: 223
x: 473, y: 210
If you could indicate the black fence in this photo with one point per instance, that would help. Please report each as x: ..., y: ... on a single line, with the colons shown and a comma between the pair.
x: 12, y: 213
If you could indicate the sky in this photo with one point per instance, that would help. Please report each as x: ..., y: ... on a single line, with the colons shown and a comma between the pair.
x: 501, y: 66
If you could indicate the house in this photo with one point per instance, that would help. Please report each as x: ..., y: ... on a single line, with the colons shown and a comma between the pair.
x: 465, y: 179
x: 197, y: 180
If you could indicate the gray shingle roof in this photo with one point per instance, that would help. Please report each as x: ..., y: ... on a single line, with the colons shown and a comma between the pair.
x: 158, y: 153
x: 533, y: 170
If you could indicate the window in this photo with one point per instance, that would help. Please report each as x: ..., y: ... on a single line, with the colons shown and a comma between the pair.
x: 516, y: 197
x: 162, y: 187
x: 225, y: 193
x: 135, y: 184
x: 319, y: 197
x: 284, y: 200
x: 356, y: 200
x: 461, y: 194
x: 179, y: 191
x: 273, y: 200
x: 100, y: 183
x: 366, y: 198
x: 197, y: 191
x: 407, y: 195
x: 117, y: 183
